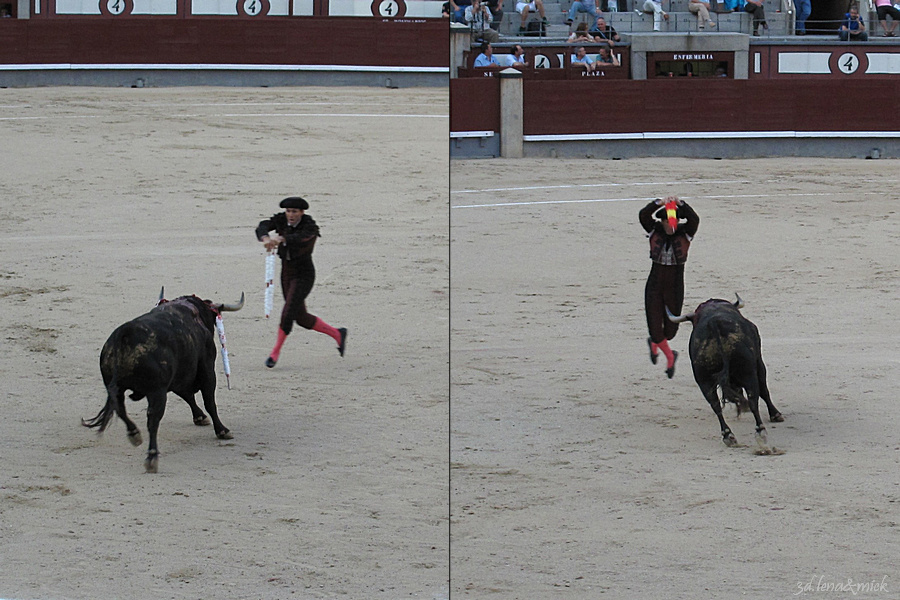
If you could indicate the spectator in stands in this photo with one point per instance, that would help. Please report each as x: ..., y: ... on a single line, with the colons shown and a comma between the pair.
x: 582, y: 61
x: 516, y: 59
x: 457, y: 12
x: 884, y: 9
x: 701, y: 9
x: 580, y: 35
x: 582, y: 6
x: 446, y: 10
x: 758, y: 12
x: 603, y: 33
x: 535, y: 5
x: 605, y: 58
x: 496, y: 8
x: 852, y: 27
x: 734, y: 5
x: 486, y: 58
x: 803, y: 8
x: 478, y: 17
x: 654, y: 7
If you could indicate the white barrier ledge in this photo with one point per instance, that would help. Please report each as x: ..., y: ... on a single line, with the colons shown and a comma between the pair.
x: 221, y: 67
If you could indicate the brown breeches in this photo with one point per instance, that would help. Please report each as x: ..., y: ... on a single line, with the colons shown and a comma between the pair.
x: 665, y: 288
x: 295, y: 286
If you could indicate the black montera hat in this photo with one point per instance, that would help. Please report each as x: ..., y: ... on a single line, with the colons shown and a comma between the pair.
x: 294, y: 202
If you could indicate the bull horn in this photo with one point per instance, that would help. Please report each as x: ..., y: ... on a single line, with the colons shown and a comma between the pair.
x: 233, y: 307
x: 739, y: 303
x: 680, y: 319
x: 162, y: 293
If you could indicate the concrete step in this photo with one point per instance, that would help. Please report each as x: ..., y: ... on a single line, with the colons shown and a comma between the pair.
x: 632, y: 22
x: 732, y: 22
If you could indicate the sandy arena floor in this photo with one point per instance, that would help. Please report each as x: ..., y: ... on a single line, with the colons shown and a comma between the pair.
x: 335, y: 484
x: 579, y: 471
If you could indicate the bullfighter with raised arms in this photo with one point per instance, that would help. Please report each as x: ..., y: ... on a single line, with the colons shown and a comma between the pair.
x: 670, y: 224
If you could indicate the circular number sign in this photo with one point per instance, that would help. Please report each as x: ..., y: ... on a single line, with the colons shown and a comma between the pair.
x: 389, y: 9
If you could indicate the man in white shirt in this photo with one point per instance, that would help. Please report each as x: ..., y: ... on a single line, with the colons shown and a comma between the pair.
x: 516, y: 58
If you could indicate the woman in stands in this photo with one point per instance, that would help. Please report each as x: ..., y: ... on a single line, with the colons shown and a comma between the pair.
x: 884, y: 9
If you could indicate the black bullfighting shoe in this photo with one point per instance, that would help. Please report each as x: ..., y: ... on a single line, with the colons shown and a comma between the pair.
x: 270, y: 362
x: 343, y: 344
x: 653, y: 356
x: 671, y: 370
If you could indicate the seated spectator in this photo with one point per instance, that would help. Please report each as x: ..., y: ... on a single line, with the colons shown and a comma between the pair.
x: 486, y: 58
x: 603, y: 33
x: 701, y: 9
x: 535, y: 5
x: 734, y: 5
x: 580, y: 35
x: 515, y: 59
x: 605, y: 58
x: 852, y: 27
x: 478, y: 17
x: 581, y: 60
x: 758, y: 12
x: 884, y: 9
x: 654, y: 8
x: 496, y: 8
x: 458, y: 10
x: 582, y: 6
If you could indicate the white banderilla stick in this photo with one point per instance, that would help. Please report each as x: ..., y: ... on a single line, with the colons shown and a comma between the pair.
x: 270, y: 283
x: 220, y: 327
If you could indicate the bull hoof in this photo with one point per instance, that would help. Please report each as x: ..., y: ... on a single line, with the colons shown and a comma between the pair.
x: 204, y: 420
x: 135, y: 438
x: 776, y: 418
x: 762, y: 439
x: 152, y: 463
x: 225, y: 435
x: 729, y: 439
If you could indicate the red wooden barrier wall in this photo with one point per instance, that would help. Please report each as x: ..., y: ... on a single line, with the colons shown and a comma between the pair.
x: 291, y: 40
x: 475, y: 104
x: 677, y: 105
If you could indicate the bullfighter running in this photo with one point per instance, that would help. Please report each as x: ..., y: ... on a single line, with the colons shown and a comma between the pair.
x: 295, y: 237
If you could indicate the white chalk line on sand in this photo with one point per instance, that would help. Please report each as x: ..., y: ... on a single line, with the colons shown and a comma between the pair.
x: 248, y: 115
x: 643, y: 199
x: 592, y: 185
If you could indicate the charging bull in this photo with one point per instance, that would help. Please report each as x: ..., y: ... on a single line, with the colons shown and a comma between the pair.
x: 169, y: 349
x: 726, y: 352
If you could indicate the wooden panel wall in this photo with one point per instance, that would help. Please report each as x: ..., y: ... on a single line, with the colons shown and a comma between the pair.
x: 292, y: 40
x: 675, y: 105
x: 475, y: 104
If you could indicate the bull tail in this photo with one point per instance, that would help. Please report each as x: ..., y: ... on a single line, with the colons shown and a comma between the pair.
x: 106, y: 413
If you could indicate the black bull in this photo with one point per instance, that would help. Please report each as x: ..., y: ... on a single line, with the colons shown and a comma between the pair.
x: 726, y: 352
x: 169, y: 349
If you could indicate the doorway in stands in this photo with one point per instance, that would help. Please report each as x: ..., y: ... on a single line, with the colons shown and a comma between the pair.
x: 699, y: 64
